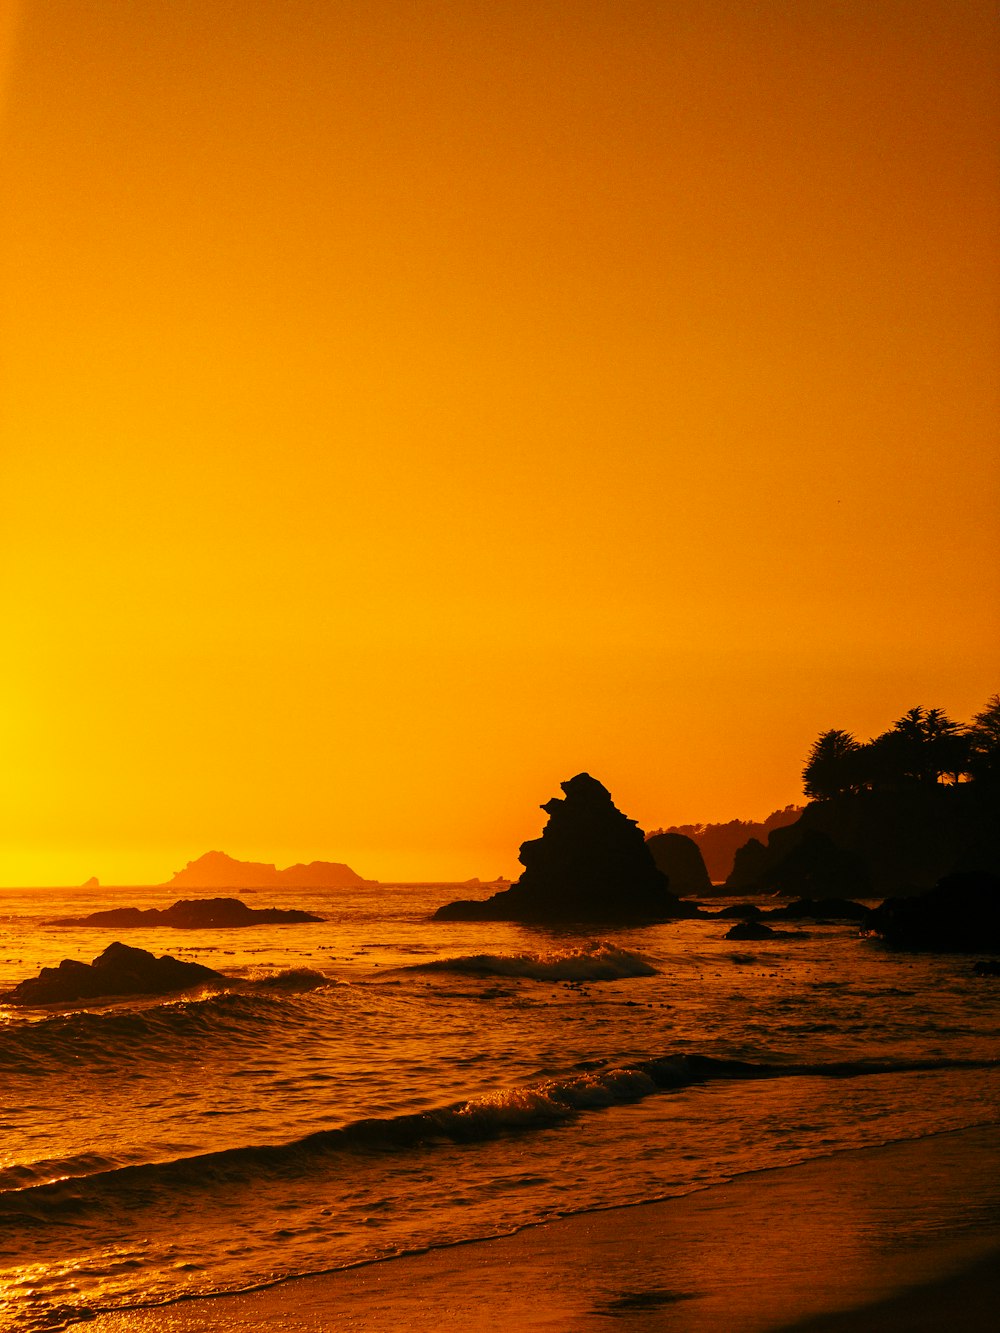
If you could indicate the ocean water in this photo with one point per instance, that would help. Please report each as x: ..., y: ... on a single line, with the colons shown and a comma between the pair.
x: 378, y: 1083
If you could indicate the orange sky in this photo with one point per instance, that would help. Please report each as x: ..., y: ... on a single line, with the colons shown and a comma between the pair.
x: 409, y: 403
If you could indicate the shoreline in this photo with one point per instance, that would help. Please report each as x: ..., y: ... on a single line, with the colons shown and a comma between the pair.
x: 869, y: 1238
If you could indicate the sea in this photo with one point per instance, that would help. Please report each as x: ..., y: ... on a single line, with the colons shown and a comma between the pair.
x: 380, y: 1083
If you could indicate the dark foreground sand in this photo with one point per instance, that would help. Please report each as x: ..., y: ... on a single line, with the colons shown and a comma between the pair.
x: 903, y: 1238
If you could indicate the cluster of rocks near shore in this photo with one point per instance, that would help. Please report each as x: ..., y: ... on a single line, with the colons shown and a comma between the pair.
x: 592, y: 864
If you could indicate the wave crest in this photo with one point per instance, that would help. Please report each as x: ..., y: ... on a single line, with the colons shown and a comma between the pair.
x: 156, y: 1031
x: 86, y: 1185
x: 597, y: 961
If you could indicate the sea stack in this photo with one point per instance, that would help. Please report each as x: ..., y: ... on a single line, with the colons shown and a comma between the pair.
x: 590, y: 864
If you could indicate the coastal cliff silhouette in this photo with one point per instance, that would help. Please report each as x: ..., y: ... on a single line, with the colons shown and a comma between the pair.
x: 889, y: 816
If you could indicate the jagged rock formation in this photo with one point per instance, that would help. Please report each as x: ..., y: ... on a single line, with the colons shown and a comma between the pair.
x: 92, y: 883
x: 119, y: 970
x: 961, y: 914
x: 193, y: 914
x: 680, y: 859
x: 590, y: 864
x: 216, y: 870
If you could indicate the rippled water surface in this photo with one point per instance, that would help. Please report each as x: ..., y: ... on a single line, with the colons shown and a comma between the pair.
x: 379, y: 1081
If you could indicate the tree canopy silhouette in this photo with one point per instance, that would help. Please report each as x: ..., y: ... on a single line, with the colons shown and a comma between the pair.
x: 922, y: 748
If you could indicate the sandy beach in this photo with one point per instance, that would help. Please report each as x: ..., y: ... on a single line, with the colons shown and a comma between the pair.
x: 901, y: 1237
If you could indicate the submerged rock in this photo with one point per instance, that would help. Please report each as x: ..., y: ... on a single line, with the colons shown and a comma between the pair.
x: 680, y: 859
x: 961, y: 914
x: 119, y: 970
x: 193, y: 914
x: 754, y: 930
x: 592, y: 863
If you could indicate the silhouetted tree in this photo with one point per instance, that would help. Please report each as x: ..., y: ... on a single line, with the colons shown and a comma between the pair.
x: 922, y: 748
x: 831, y: 767
x: 983, y: 741
x: 946, y: 744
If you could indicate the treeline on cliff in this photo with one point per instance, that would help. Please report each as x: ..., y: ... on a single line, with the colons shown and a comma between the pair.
x: 890, y: 815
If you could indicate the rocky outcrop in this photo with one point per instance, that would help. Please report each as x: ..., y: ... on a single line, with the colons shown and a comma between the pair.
x: 591, y: 864
x: 119, y: 970
x: 92, y: 883
x: 681, y: 861
x: 807, y: 863
x: 961, y: 914
x: 719, y: 843
x: 749, y: 864
x: 872, y: 844
x: 216, y: 870
x: 193, y: 914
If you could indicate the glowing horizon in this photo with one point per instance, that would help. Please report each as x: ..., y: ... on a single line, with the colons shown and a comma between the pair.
x: 405, y: 408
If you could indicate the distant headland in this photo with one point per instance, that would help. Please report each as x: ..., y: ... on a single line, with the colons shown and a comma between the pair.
x: 216, y: 870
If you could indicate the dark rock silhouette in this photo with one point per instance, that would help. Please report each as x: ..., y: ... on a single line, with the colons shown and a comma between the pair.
x: 869, y: 844
x: 193, y: 914
x: 740, y: 912
x: 718, y: 843
x: 119, y: 970
x: 216, y: 870
x: 989, y: 968
x: 811, y: 864
x: 961, y: 914
x: 749, y: 865
x: 590, y: 864
x: 681, y: 861
x: 755, y: 930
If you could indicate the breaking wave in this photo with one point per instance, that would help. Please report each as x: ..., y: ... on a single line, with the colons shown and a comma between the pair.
x: 87, y: 1185
x: 597, y: 961
x: 157, y: 1030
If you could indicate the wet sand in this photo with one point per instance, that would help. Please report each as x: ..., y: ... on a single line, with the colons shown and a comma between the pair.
x: 903, y: 1238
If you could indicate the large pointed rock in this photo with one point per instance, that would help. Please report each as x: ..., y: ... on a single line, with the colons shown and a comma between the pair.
x: 590, y: 864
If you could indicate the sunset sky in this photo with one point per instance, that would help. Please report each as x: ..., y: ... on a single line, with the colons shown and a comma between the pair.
x: 407, y: 404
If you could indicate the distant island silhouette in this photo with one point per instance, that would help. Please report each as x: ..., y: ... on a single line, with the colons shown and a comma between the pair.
x: 591, y: 863
x: 216, y: 870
